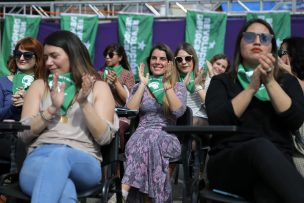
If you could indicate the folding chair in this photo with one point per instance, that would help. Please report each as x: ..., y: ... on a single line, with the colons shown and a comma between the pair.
x: 9, y: 185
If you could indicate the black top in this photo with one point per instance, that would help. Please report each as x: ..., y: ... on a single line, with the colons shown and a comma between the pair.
x: 259, y: 119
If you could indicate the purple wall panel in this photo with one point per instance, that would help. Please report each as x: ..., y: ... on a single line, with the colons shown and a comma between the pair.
x: 170, y: 32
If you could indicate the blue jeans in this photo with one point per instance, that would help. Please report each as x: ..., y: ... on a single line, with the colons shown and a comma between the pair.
x: 53, y: 173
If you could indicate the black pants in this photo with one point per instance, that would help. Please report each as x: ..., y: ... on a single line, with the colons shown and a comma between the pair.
x: 257, y: 170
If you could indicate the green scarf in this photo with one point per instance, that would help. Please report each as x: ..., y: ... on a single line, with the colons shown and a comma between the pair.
x: 190, y: 86
x: 22, y: 80
x: 156, y: 86
x: 244, y: 75
x: 117, y: 69
x: 69, y: 90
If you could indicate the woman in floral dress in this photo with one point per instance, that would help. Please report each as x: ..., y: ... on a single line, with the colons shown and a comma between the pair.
x: 160, y: 100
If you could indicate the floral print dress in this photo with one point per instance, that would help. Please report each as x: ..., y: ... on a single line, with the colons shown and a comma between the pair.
x: 150, y: 149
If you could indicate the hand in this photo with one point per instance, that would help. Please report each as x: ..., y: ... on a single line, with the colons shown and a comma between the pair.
x: 168, y: 73
x: 285, y: 66
x: 111, y: 77
x: 187, y: 79
x: 198, y: 77
x: 141, y: 70
x: 210, y: 69
x: 86, y: 87
x: 255, y: 82
x: 266, y: 67
x: 57, y: 93
x: 18, y: 98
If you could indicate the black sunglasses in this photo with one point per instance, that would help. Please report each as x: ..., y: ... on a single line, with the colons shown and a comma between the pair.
x: 282, y: 52
x: 26, y: 55
x: 110, y: 54
x: 265, y: 38
x: 180, y: 59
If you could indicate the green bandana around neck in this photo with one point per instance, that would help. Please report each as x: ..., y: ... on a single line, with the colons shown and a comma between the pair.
x: 156, y: 86
x: 69, y: 90
x: 190, y: 86
x: 244, y: 76
x: 22, y: 80
x: 117, y: 69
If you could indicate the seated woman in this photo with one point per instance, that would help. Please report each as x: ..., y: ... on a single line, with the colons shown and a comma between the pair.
x: 197, y: 83
x: 117, y: 73
x: 160, y: 100
x: 267, y: 105
x: 24, y: 66
x: 71, y: 113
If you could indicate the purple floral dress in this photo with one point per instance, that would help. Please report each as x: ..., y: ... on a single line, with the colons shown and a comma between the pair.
x: 150, y: 149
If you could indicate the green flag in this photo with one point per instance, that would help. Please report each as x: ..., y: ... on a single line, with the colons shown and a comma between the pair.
x: 135, y: 34
x: 16, y: 27
x: 279, y: 21
x: 206, y: 32
x: 84, y: 26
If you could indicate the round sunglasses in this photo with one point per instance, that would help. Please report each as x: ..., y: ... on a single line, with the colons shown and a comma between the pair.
x: 27, y: 55
x: 110, y: 54
x: 180, y: 59
x: 265, y: 38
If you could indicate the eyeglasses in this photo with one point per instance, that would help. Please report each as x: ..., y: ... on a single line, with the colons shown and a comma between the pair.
x: 282, y: 52
x: 110, y: 54
x: 180, y: 59
x: 26, y: 55
x: 265, y: 38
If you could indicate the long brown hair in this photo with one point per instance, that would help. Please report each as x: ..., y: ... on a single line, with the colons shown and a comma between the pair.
x: 173, y: 78
x: 80, y: 62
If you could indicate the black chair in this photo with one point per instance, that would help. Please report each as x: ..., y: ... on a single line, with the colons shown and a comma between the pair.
x: 110, y: 183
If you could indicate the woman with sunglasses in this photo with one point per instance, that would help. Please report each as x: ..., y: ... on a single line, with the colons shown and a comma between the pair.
x: 160, y: 100
x: 71, y: 113
x: 267, y: 105
x: 24, y: 67
x: 117, y: 73
x: 196, y: 82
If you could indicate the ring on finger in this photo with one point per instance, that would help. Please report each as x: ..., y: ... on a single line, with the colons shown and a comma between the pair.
x: 269, y: 69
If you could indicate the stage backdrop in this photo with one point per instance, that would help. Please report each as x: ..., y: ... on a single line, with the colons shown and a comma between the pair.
x: 171, y: 32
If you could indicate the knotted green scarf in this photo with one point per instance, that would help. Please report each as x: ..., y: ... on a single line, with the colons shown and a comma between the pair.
x: 156, y: 86
x: 22, y: 80
x: 190, y: 86
x: 117, y: 69
x: 69, y: 90
x: 244, y: 76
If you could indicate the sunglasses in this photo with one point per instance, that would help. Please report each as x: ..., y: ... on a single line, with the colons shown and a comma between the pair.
x: 282, y: 52
x: 180, y: 59
x: 26, y: 55
x: 265, y: 38
x: 110, y: 54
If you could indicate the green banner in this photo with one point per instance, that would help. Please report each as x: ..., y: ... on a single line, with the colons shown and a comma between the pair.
x: 135, y: 34
x: 280, y: 22
x: 206, y: 32
x: 16, y: 27
x: 84, y: 26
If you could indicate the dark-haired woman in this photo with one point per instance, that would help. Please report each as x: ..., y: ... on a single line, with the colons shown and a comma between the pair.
x: 117, y: 73
x: 267, y: 105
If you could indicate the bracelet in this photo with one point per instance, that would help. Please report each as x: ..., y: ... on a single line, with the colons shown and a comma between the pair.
x: 45, y: 118
x: 167, y: 88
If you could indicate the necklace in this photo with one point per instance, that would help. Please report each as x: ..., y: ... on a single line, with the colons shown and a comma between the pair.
x: 65, y: 118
